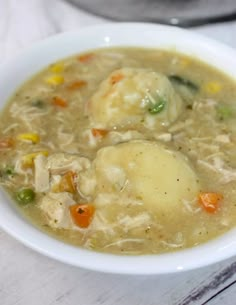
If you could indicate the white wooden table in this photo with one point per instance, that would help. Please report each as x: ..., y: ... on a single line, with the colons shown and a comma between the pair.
x: 28, y: 278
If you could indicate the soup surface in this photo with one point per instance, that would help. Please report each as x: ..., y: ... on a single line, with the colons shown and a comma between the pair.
x: 124, y: 150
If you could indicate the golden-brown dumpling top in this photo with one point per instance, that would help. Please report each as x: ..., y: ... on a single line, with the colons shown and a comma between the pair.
x: 134, y: 97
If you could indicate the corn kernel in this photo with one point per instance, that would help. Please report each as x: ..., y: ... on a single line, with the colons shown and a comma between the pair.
x: 55, y: 80
x: 28, y: 160
x: 212, y: 87
x: 57, y: 68
x: 33, y: 137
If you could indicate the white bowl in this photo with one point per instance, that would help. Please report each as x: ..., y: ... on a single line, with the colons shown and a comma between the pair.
x: 17, y: 71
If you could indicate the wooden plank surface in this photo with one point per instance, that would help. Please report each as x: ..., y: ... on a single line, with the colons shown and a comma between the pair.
x: 28, y: 278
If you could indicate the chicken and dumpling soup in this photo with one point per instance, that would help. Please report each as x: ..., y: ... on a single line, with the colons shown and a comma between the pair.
x: 124, y: 150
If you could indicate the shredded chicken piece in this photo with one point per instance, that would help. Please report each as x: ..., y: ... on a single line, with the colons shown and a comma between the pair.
x: 189, y: 206
x: 55, y: 206
x: 180, y: 125
x: 100, y: 223
x: 9, y: 128
x: 104, y: 199
x: 128, y: 223
x: 201, y: 139
x: 217, y: 154
x: 86, y: 184
x: 166, y: 137
x: 171, y: 245
x: 207, y: 165
x: 65, y: 139
x: 208, y: 147
x: 225, y: 222
x: 60, y: 163
x: 218, y: 166
x: 223, y: 138
x: 117, y: 176
x: 25, y: 173
x: 90, y: 139
x: 41, y: 174
x: 227, y: 174
x: 118, y: 137
x: 120, y: 242
x: 206, y: 103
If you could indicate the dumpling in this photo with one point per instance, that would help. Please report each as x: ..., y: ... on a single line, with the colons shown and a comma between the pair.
x: 146, y: 171
x: 134, y: 97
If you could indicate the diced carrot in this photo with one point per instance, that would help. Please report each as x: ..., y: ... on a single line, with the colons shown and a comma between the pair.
x: 99, y: 132
x: 58, y: 101
x: 86, y: 57
x: 116, y: 78
x: 77, y: 85
x: 209, y: 201
x: 82, y: 214
x: 67, y: 183
x: 6, y: 143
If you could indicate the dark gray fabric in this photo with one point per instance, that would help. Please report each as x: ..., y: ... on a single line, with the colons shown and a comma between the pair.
x: 159, y: 10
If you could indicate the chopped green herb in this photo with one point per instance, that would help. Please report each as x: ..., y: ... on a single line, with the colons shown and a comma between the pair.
x: 38, y: 103
x: 178, y: 80
x: 156, y: 105
x: 25, y: 196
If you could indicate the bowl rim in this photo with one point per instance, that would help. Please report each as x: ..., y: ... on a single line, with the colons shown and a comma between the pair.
x: 16, y: 225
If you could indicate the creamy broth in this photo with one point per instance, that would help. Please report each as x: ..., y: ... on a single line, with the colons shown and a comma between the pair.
x: 66, y: 139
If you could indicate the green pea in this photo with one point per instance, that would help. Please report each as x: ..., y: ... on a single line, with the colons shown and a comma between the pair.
x: 9, y: 171
x: 25, y: 196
